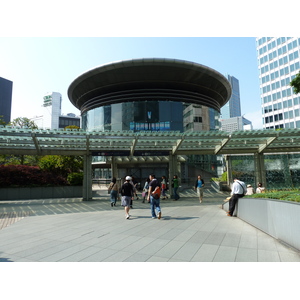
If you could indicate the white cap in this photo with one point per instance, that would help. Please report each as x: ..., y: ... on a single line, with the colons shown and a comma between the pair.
x: 128, y: 178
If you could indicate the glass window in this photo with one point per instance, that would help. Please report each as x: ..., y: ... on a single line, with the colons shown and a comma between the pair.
x: 296, y: 112
x: 291, y: 114
x: 297, y: 124
x: 296, y: 101
x: 292, y: 67
x: 283, y: 49
x: 284, y: 94
x: 286, y: 115
x: 285, y: 104
x: 278, y: 41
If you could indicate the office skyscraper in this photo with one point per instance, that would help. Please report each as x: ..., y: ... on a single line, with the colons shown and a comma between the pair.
x: 5, y: 99
x: 52, y: 117
x: 233, y: 107
x: 278, y: 64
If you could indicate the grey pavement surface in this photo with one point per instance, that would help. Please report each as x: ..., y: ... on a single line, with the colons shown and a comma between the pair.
x: 71, y: 230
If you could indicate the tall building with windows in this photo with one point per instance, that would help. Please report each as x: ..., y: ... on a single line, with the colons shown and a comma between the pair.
x: 5, y: 99
x: 233, y: 107
x: 278, y: 64
x: 52, y: 117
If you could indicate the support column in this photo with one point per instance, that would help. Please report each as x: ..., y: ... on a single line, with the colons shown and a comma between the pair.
x: 114, y: 168
x: 229, y: 170
x: 260, y: 172
x: 87, y: 178
x: 174, y: 169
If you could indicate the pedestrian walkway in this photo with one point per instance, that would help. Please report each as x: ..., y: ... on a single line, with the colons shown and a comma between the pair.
x: 71, y: 230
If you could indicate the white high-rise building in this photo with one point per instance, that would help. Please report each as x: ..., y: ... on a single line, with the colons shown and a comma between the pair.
x: 51, y: 110
x: 278, y: 64
x: 52, y: 117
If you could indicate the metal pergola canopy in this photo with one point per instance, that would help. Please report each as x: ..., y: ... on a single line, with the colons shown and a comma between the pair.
x: 129, y: 143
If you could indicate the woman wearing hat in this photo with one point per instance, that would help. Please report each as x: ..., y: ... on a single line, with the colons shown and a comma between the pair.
x: 127, y: 195
x: 250, y: 190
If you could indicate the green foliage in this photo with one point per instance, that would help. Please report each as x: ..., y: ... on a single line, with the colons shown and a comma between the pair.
x: 286, y: 195
x: 27, y: 176
x: 2, y: 122
x: 59, y: 164
x: 75, y: 178
x: 295, y: 83
x: 23, y: 122
x: 222, y: 178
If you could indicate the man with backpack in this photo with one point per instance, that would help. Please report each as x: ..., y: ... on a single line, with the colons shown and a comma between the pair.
x: 154, y: 196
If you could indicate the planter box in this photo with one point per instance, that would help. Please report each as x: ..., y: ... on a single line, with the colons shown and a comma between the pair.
x: 41, y: 192
x: 280, y: 219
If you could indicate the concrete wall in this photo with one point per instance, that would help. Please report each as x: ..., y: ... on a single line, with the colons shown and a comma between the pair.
x: 40, y: 193
x: 280, y: 219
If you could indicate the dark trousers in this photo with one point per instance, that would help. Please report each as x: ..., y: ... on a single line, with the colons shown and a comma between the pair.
x: 233, y: 201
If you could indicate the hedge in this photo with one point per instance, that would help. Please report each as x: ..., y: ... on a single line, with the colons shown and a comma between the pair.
x: 28, y: 176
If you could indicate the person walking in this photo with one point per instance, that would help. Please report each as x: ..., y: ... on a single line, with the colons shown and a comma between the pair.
x: 239, y: 190
x: 127, y: 195
x: 175, y: 185
x: 199, y: 185
x: 154, y: 197
x: 164, y: 187
x: 113, y: 190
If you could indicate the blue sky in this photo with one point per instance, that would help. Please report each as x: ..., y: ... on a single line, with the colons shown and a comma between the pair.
x: 45, y: 46
x: 40, y: 65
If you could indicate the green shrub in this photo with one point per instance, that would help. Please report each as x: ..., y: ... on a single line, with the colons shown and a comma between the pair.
x: 28, y: 176
x: 75, y: 178
x: 286, y: 195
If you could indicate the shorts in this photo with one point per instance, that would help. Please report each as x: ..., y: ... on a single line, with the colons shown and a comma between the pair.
x: 200, y: 191
x: 125, y: 201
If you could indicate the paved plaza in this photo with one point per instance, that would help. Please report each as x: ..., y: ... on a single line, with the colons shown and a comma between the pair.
x: 72, y: 230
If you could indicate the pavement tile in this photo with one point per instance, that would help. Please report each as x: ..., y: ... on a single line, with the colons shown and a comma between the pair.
x: 225, y: 254
x: 70, y: 230
x: 206, y: 253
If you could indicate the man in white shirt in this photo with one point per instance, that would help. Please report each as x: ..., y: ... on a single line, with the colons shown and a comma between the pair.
x: 239, y: 190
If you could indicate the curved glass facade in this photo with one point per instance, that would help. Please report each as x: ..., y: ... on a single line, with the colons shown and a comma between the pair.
x: 151, y: 116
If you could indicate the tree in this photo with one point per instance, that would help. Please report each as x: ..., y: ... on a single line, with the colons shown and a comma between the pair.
x: 295, y: 83
x: 2, y: 122
x: 60, y: 164
x: 23, y: 122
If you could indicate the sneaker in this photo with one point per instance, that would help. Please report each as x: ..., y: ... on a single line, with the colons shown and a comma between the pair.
x: 127, y: 217
x: 159, y: 215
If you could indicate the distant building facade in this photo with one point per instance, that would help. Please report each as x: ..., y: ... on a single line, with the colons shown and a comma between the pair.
x: 233, y: 107
x: 235, y: 124
x: 6, y: 87
x: 52, y: 117
x: 278, y: 64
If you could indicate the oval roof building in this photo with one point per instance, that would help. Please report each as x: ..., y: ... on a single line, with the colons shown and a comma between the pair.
x: 155, y: 79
